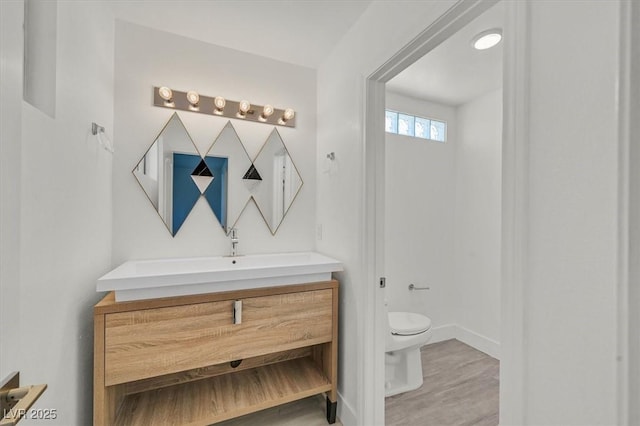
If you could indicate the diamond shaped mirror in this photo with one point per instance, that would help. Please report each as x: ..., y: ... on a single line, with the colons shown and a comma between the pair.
x: 174, y: 176
x: 228, y: 155
x: 163, y: 173
x: 275, y: 181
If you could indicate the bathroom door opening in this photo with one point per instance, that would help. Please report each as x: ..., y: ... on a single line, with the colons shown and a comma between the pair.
x: 443, y: 124
x: 511, y: 207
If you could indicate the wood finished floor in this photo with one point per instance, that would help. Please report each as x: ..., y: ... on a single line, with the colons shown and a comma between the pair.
x: 460, y: 387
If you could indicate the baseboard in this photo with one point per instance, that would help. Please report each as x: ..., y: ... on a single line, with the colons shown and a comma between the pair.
x: 471, y: 338
x: 478, y: 341
x: 346, y: 414
x: 442, y: 333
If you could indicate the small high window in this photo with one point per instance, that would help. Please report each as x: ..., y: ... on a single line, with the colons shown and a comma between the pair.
x: 418, y: 127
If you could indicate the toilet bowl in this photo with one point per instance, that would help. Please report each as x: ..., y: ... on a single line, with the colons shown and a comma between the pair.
x: 407, y: 333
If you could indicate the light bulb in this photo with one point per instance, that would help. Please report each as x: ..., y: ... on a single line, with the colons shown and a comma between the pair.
x: 193, y: 97
x: 219, y: 102
x: 487, y: 39
x: 243, y: 107
x: 267, y: 111
x: 289, y: 114
x: 165, y: 93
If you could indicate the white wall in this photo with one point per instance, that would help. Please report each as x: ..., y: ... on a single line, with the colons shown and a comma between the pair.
x: 477, y: 225
x: 571, y: 293
x: 419, y: 215
x: 570, y: 304
x: 63, y: 235
x: 11, y: 55
x: 442, y: 220
x: 145, y: 58
x: 340, y: 209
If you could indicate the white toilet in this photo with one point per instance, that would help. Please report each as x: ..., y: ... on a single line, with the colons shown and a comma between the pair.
x: 407, y: 333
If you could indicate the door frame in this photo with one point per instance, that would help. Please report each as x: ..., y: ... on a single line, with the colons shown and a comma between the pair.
x: 628, y: 268
x: 515, y: 187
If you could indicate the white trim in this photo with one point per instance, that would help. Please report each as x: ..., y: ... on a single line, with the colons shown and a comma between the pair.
x: 442, y: 333
x: 633, y: 285
x: 478, y: 341
x: 346, y: 414
x: 372, y: 382
x: 514, y: 208
x: 515, y: 212
x: 623, y: 271
x: 466, y: 336
x: 463, y: 12
x: 628, y: 293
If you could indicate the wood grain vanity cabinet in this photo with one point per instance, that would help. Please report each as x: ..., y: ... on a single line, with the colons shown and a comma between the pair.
x: 198, y: 360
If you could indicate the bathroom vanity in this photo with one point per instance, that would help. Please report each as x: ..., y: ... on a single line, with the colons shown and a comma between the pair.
x: 203, y: 358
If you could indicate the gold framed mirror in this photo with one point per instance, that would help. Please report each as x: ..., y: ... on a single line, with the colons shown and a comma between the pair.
x: 174, y: 175
x: 278, y: 181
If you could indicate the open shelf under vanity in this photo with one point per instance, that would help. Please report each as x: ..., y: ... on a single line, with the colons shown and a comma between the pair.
x: 182, y: 360
x: 230, y: 395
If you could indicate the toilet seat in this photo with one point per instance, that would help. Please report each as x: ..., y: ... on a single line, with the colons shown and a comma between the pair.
x: 408, y: 332
x: 408, y: 323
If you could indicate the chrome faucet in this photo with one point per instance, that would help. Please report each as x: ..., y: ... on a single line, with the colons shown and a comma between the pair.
x: 234, y: 241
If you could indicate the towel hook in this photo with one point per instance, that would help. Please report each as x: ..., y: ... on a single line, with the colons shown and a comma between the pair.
x: 98, y: 131
x: 95, y: 129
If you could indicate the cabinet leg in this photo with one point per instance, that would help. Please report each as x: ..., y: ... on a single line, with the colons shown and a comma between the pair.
x: 332, y: 407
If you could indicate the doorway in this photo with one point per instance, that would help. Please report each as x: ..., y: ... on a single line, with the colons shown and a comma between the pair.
x: 443, y: 158
x: 514, y: 188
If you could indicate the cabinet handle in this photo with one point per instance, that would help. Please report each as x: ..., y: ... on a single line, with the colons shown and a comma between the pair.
x: 237, y: 312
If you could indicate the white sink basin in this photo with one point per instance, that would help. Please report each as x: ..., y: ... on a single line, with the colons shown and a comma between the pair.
x: 149, y: 279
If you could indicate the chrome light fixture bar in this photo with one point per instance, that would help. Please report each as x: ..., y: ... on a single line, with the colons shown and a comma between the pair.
x: 192, y: 101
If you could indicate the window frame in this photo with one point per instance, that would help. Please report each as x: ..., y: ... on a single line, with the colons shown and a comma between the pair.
x: 430, y: 119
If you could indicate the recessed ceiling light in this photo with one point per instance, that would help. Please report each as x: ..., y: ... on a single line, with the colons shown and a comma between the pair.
x: 487, y: 39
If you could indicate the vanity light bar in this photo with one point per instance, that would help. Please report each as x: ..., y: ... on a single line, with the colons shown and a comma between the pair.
x: 240, y: 110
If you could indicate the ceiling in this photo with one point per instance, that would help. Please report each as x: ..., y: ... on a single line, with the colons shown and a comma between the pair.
x: 454, y: 72
x: 298, y: 32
